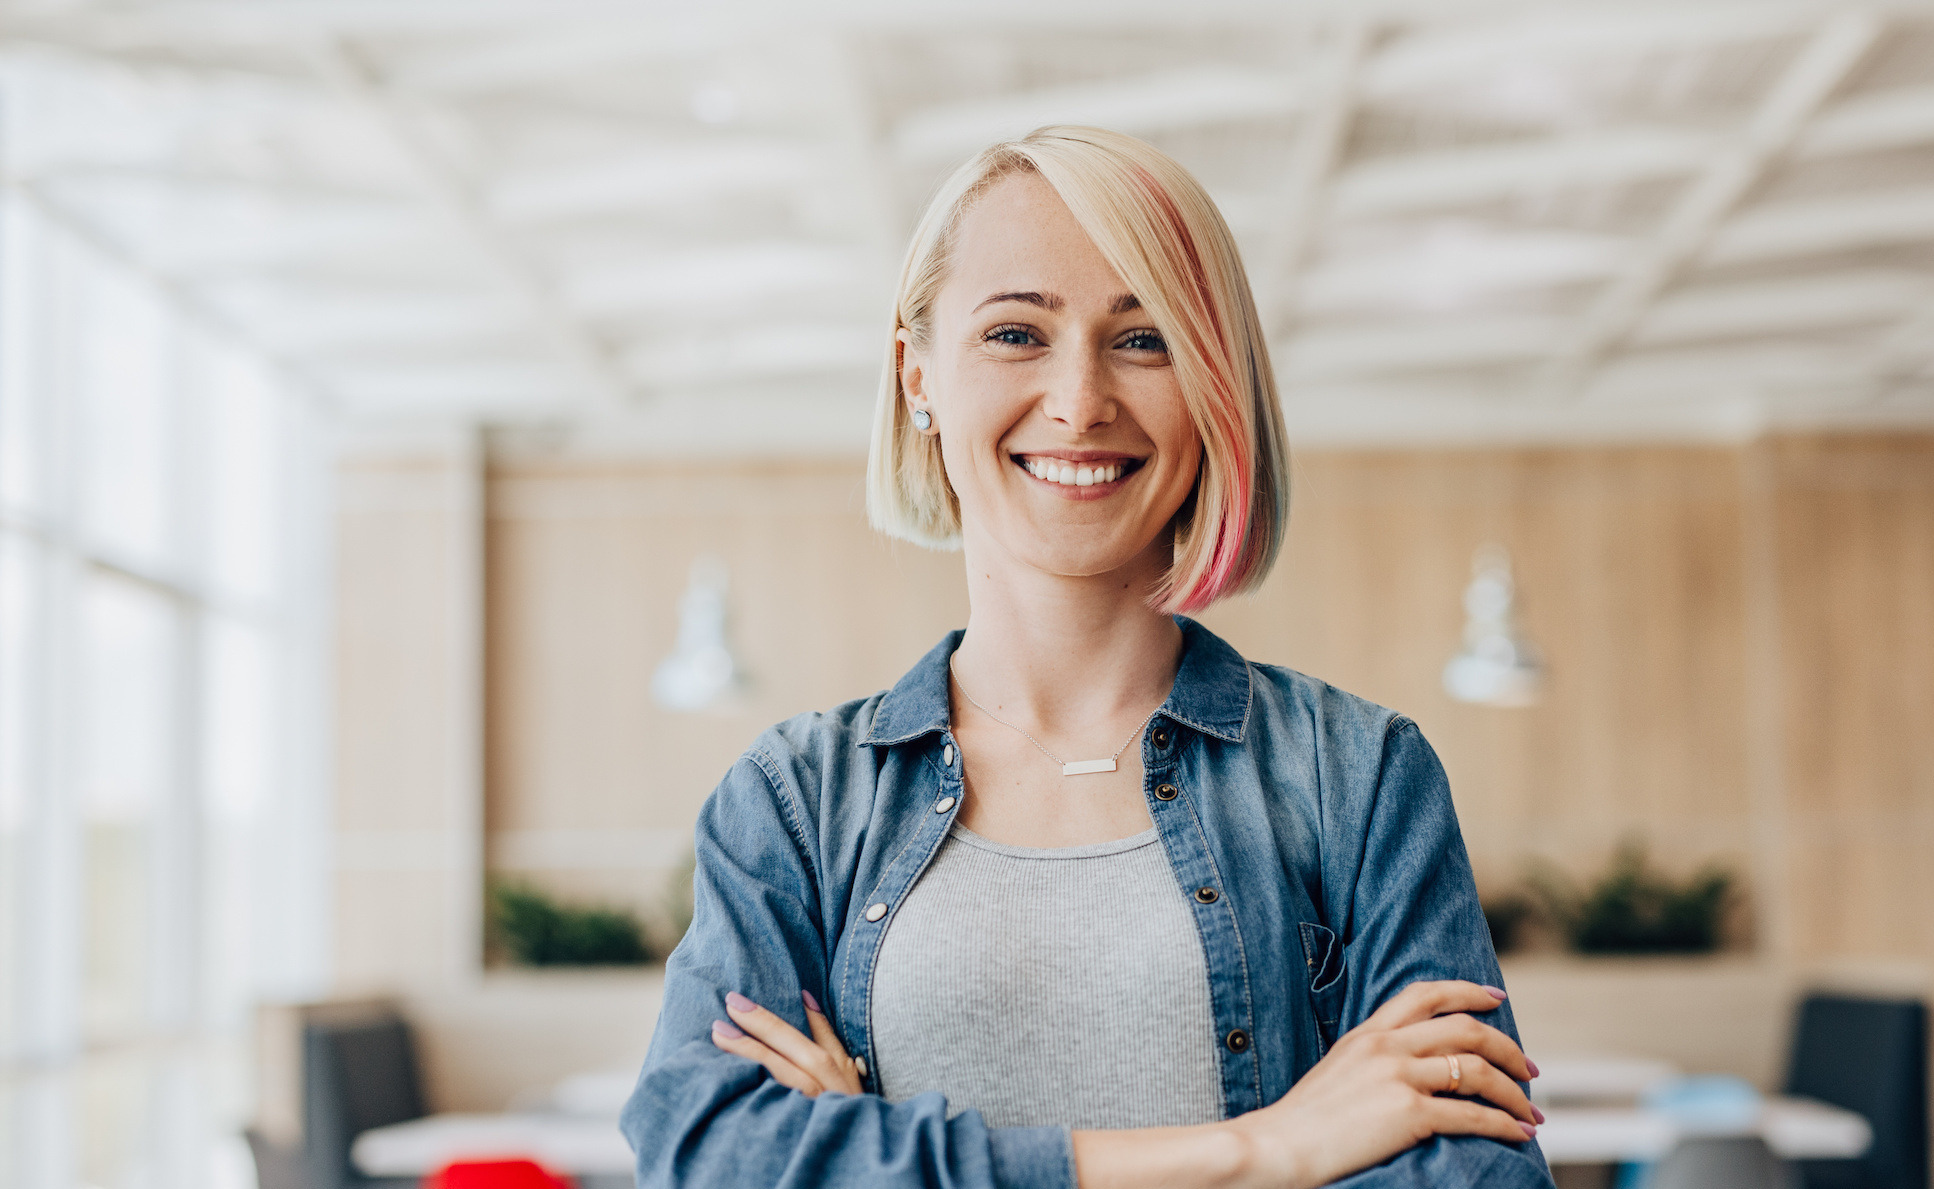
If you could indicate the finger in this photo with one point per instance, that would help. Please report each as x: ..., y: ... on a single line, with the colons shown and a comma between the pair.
x: 790, y: 1043
x: 1421, y: 1001
x: 783, y: 1071
x: 823, y: 1034
x: 1462, y: 1034
x: 1477, y: 1078
x: 1460, y: 1116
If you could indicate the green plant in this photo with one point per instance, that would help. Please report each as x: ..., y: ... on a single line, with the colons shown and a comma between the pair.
x: 1633, y: 909
x: 1505, y: 916
x: 539, y: 931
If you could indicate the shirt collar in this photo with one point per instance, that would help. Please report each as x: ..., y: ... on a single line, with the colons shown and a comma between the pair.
x: 1211, y: 692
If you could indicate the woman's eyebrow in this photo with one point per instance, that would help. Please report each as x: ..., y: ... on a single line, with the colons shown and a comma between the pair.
x: 1122, y: 304
x: 1046, y: 301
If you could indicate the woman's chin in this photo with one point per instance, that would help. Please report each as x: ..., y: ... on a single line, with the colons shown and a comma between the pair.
x: 1081, y: 561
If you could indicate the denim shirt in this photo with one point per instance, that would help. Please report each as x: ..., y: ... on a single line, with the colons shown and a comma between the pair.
x: 1322, y: 823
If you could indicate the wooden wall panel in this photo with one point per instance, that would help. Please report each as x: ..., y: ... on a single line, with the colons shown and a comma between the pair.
x: 1629, y: 573
x: 593, y: 787
x: 1855, y: 575
x: 395, y: 554
x: 1794, y: 746
x: 408, y: 842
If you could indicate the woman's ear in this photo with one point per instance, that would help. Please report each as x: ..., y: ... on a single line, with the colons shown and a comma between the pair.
x: 913, y: 377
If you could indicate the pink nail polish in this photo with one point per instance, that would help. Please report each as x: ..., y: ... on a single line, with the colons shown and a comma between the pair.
x: 737, y: 1002
x: 1496, y: 992
x: 1537, y: 1114
x: 727, y: 1029
x: 811, y: 1003
x: 1530, y: 1132
x: 1533, y: 1066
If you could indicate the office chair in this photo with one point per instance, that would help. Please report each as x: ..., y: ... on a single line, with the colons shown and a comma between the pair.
x: 357, y: 1074
x: 1870, y: 1057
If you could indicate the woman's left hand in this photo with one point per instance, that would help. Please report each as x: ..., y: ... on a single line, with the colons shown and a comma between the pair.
x: 809, y: 1065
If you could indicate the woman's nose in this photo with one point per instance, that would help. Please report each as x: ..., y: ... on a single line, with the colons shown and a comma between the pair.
x: 1080, y: 394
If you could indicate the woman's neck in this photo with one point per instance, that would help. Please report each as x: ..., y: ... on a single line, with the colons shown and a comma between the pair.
x: 1066, y: 653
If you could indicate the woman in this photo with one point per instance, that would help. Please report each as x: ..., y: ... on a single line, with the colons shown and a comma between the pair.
x: 1141, y: 913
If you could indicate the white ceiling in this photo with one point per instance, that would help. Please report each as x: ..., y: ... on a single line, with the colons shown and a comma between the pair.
x: 665, y: 230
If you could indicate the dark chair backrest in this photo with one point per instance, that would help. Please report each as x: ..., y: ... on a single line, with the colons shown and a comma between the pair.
x: 1869, y: 1056
x: 357, y: 1074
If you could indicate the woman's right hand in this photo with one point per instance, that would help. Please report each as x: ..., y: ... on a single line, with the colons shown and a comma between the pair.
x: 1379, y: 1090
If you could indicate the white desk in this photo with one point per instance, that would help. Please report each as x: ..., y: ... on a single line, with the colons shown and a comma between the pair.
x: 590, y: 1144
x: 1565, y: 1081
x: 577, y: 1144
x: 1795, y: 1128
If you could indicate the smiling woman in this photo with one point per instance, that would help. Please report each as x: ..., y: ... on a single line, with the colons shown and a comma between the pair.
x: 1153, y: 252
x: 1243, y: 948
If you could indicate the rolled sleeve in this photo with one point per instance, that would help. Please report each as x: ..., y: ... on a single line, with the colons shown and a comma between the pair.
x: 1450, y: 1161
x: 702, y: 1116
x: 1414, y: 916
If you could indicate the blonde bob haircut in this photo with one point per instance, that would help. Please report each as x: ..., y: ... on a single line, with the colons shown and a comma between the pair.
x: 1162, y: 234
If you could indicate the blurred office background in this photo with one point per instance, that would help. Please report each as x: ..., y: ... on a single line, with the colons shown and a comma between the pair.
x: 383, y: 384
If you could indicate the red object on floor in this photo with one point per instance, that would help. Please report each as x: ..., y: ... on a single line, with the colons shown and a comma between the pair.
x: 496, y: 1174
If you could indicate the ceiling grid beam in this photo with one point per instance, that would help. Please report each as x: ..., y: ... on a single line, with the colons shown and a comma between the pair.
x: 587, y: 361
x: 183, y: 297
x: 1904, y: 354
x: 859, y: 131
x: 616, y: 250
x: 1780, y: 118
x: 1313, y: 159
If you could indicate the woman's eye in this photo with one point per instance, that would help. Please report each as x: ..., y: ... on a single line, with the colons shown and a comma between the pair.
x: 1145, y: 340
x: 1011, y: 336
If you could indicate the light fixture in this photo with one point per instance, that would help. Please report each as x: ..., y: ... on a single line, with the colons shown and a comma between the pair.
x: 1497, y: 667
x: 701, y: 673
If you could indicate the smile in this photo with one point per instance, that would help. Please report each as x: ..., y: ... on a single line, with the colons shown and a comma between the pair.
x: 1068, y: 472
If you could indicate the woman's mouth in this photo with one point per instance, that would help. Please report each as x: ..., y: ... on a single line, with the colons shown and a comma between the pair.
x: 1067, y: 472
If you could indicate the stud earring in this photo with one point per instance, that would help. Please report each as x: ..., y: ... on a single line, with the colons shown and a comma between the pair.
x: 922, y: 420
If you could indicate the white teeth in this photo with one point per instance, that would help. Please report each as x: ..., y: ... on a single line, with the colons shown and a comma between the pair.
x: 1070, y: 475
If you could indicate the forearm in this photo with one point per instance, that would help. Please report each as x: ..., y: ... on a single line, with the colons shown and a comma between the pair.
x: 1228, y: 1155
x: 1205, y: 1156
x: 692, y: 1125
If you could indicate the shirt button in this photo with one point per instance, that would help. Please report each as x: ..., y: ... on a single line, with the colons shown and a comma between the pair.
x: 943, y: 805
x: 1237, y: 1041
x: 875, y: 911
x: 1161, y: 738
x: 1205, y: 895
x: 947, y: 755
x: 859, y: 1063
x: 1165, y: 792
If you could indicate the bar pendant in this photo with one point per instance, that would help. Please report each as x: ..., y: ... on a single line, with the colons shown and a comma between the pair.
x: 1083, y: 767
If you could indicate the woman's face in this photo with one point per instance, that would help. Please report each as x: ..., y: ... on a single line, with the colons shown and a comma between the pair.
x: 1060, y: 419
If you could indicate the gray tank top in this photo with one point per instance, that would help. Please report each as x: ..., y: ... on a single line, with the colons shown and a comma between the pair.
x: 1048, y: 986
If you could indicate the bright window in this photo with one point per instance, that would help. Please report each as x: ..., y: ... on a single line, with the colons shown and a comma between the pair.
x: 160, y: 724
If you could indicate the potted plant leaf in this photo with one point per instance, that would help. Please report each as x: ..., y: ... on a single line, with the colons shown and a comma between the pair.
x: 1634, y: 909
x: 536, y: 930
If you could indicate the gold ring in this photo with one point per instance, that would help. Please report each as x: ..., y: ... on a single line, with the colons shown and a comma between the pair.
x: 1456, y: 1075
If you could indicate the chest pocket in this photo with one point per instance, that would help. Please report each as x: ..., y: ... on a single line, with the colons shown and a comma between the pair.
x: 1323, y: 957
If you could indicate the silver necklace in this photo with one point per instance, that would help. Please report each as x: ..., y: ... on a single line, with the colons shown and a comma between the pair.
x: 1068, y: 767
